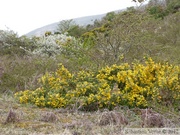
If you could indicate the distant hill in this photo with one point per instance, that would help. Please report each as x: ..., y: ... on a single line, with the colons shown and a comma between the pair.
x: 82, y: 21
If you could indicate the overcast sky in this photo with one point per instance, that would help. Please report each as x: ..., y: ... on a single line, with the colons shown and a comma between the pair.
x: 23, y: 16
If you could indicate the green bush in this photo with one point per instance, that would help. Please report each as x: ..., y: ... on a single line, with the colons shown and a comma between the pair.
x: 11, y: 44
x: 158, y: 11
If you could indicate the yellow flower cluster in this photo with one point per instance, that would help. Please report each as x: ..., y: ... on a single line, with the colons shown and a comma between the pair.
x: 140, y: 83
x: 135, y: 85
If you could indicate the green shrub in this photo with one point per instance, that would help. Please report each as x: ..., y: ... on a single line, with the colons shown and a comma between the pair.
x: 11, y: 44
x: 158, y: 11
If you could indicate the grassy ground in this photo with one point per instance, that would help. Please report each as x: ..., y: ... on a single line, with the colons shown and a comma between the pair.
x: 21, y: 119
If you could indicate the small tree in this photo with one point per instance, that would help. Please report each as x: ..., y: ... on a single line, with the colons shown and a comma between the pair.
x: 76, y: 31
x: 110, y: 16
x: 65, y: 25
x: 70, y: 27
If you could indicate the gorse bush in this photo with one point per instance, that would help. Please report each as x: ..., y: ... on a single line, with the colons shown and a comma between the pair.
x: 133, y: 85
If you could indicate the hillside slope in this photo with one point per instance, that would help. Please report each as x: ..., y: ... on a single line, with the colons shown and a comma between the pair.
x: 52, y: 27
x: 82, y: 21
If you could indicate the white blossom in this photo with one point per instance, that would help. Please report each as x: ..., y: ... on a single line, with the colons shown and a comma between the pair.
x: 52, y: 45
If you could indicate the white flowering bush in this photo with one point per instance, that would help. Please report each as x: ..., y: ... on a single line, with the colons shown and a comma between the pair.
x: 52, y: 45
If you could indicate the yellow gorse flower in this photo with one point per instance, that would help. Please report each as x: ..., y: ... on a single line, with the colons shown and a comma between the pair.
x: 133, y: 85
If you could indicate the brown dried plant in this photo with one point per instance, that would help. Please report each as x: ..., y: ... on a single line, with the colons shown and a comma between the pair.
x: 151, y: 118
x: 12, y: 117
x: 112, y: 117
x: 49, y: 117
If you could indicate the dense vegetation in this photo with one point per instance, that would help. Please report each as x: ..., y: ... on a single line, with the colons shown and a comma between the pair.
x: 98, y: 58
x: 133, y: 86
x: 121, y: 72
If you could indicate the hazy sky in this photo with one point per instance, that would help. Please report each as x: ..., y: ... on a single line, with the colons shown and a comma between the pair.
x: 23, y: 16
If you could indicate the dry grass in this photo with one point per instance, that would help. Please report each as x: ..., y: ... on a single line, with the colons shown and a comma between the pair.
x: 28, y: 119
